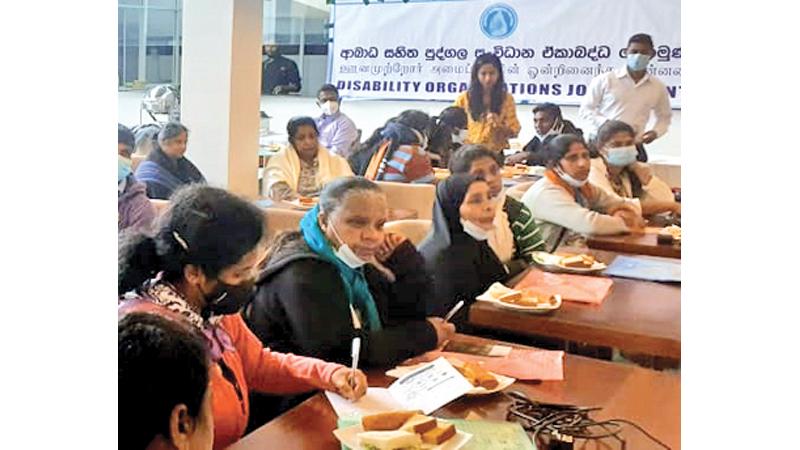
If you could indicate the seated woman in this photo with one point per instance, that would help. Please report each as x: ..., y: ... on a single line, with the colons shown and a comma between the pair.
x: 166, y: 168
x: 565, y: 201
x: 617, y: 171
x: 339, y: 265
x: 516, y: 235
x: 302, y: 168
x: 134, y: 209
x: 201, y: 266
x: 397, y: 152
x: 164, y: 391
x: 447, y: 135
x: 491, y: 111
x: 457, y: 252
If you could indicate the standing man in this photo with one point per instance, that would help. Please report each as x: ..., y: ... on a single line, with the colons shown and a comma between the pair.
x: 279, y: 74
x: 547, y: 124
x: 631, y: 95
x: 337, y: 132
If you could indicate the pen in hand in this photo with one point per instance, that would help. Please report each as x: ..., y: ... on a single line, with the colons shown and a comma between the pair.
x: 453, y: 311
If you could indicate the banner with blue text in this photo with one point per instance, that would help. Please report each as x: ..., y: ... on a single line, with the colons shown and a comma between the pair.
x: 550, y: 50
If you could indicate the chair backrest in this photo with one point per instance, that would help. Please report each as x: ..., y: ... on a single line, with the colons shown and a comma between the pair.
x: 136, y: 160
x: 418, y: 197
x: 159, y: 205
x: 281, y: 219
x: 519, y: 190
x: 414, y: 229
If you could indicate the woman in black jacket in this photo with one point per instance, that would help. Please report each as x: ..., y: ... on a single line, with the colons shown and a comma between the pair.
x: 166, y: 167
x: 457, y: 252
x: 341, y: 270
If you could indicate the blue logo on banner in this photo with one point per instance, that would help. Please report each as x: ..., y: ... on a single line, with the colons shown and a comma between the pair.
x: 499, y: 21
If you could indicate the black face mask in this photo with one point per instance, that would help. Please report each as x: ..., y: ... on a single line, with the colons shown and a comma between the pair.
x: 228, y: 299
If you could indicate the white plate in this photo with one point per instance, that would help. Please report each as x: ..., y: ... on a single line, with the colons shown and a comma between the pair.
x: 554, y: 261
x: 296, y: 204
x: 502, y: 380
x: 347, y: 436
x: 544, y: 308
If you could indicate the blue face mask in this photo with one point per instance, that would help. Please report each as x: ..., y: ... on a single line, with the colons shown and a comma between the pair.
x: 622, y: 156
x: 638, y: 61
x: 123, y: 168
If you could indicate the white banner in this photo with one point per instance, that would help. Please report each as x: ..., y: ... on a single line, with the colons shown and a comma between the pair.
x: 550, y: 49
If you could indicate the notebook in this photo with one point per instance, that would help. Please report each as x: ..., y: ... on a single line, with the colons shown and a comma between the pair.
x: 575, y: 288
x: 650, y: 268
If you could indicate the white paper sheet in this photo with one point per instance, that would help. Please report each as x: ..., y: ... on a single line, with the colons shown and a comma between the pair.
x: 430, y: 387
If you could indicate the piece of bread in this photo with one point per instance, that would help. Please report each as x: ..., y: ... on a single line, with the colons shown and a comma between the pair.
x: 511, y: 297
x: 420, y: 424
x: 475, y: 374
x: 389, y: 440
x: 578, y: 261
x: 440, y: 434
x: 385, y: 421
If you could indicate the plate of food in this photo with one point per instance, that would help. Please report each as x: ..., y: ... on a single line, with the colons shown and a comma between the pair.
x: 526, y: 300
x: 515, y: 170
x: 304, y: 202
x: 402, y: 430
x: 669, y: 235
x: 580, y: 263
x: 484, y: 382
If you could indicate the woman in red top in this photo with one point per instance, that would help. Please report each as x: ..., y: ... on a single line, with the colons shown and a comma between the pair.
x: 201, y: 265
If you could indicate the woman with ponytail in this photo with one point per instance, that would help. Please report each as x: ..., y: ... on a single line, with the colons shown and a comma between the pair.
x: 201, y: 266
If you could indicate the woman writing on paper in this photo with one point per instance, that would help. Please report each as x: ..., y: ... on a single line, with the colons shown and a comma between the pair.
x: 341, y: 264
x: 491, y: 111
x: 200, y: 266
x: 302, y: 168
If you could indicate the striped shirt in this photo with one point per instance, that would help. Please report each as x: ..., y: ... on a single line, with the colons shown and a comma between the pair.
x: 527, y: 235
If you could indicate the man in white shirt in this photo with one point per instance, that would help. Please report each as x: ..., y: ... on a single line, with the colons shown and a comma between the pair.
x: 631, y: 95
x: 337, y: 132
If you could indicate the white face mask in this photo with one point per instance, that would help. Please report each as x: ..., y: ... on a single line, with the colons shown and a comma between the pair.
x: 621, y: 156
x: 345, y: 253
x: 568, y: 178
x: 460, y: 137
x: 330, y: 107
x: 477, y: 233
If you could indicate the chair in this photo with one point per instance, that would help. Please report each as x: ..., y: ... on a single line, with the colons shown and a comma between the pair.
x: 519, y: 190
x: 281, y: 219
x: 417, y: 197
x: 414, y: 229
x: 136, y: 160
x: 159, y: 205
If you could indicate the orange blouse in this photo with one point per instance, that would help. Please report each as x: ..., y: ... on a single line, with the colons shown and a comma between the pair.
x: 480, y: 132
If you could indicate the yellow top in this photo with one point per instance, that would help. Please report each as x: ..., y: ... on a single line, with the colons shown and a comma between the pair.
x: 495, y: 137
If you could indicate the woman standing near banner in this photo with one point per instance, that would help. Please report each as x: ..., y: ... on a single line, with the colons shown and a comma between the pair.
x: 491, y: 111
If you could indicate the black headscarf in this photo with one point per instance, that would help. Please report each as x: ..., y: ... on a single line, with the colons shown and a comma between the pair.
x: 462, y: 266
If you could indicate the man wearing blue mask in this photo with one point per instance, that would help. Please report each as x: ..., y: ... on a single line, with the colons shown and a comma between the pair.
x: 134, y: 209
x: 631, y: 95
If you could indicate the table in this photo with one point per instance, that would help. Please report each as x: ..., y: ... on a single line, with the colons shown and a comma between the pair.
x: 637, y: 317
x: 640, y: 244
x: 649, y: 398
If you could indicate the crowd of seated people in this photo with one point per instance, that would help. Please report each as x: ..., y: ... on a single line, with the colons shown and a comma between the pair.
x: 218, y: 323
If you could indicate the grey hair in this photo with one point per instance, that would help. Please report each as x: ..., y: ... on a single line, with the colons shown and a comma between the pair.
x: 335, y: 192
x: 172, y: 130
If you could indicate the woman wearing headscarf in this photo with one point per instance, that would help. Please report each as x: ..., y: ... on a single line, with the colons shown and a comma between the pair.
x: 341, y: 271
x: 166, y: 167
x: 457, y: 251
x: 302, y: 168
